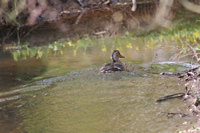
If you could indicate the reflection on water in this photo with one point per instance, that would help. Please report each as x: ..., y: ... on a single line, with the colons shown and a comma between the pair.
x: 12, y: 73
x: 69, y: 95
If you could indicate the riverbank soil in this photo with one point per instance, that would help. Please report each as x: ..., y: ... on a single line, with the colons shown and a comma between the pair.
x: 70, y: 19
x: 40, y: 23
x: 192, y: 85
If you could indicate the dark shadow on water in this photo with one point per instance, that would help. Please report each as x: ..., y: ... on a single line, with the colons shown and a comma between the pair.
x: 13, y: 73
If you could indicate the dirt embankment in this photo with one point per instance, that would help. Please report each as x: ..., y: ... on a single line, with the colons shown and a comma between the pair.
x: 49, y: 20
x: 71, y: 19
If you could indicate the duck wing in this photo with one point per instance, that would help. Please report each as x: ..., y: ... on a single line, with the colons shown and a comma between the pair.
x: 108, y: 68
x: 112, y: 67
x: 118, y: 66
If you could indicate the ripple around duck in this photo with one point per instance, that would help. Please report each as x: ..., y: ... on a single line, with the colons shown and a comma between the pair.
x: 86, y: 101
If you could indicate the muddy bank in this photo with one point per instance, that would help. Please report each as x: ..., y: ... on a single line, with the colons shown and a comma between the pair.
x: 192, y: 79
x: 55, y: 20
x: 104, y: 21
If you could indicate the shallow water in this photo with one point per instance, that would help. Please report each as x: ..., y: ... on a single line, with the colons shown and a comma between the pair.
x: 65, y: 92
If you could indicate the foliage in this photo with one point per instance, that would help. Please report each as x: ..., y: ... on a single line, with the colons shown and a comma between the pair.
x: 187, y: 30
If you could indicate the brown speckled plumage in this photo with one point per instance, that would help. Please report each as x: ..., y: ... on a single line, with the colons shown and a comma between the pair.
x: 115, y: 65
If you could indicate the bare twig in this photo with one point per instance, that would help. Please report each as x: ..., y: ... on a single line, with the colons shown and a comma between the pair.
x: 18, y: 36
x: 194, y: 51
x: 33, y: 28
x: 155, y: 55
x: 79, y: 17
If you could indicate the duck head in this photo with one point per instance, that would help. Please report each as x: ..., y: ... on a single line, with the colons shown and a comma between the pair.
x: 116, y: 55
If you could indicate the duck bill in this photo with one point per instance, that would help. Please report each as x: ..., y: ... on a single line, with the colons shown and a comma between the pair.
x: 121, y: 56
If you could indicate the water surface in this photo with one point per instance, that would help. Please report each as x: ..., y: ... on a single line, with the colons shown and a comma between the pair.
x: 65, y: 93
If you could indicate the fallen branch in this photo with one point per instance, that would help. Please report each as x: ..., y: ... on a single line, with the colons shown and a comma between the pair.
x: 177, y: 95
x: 190, y: 6
x: 170, y: 115
x: 79, y: 17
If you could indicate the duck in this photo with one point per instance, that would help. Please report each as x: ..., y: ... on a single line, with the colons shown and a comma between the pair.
x: 115, y: 65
